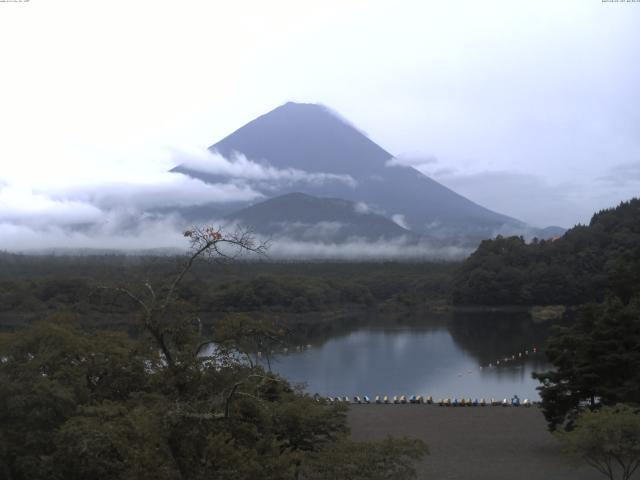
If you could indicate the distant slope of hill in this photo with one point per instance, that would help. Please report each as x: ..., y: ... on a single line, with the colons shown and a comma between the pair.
x: 301, y: 216
x: 579, y: 267
x: 550, y: 232
x: 311, y: 138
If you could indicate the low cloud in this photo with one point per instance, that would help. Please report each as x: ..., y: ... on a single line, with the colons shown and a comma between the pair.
x: 361, y: 207
x: 400, y: 221
x: 43, y: 208
x: 23, y: 206
x: 160, y: 190
x: 117, y: 231
x: 399, y: 248
x: 120, y: 213
x: 366, y: 209
x: 67, y: 213
x: 240, y: 167
x: 129, y: 232
x: 412, y: 159
x: 322, y: 231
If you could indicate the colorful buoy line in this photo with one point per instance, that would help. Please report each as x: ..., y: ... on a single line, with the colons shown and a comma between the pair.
x: 429, y: 400
x: 511, y: 358
x: 297, y: 348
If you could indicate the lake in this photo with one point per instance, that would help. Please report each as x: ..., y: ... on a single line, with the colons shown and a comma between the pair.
x: 458, y: 355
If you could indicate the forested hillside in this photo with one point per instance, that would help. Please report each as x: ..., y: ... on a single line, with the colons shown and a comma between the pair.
x: 33, y: 287
x: 579, y: 267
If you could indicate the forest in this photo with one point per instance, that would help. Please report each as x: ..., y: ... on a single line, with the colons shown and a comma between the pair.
x: 33, y: 287
x: 582, y: 266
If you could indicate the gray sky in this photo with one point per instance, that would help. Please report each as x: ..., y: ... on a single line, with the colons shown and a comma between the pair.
x: 528, y: 108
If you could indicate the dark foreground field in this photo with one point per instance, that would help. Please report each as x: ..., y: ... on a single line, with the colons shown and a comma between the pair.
x: 490, y: 443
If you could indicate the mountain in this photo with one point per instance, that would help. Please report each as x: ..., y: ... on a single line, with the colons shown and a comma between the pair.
x: 342, y: 162
x: 304, y: 217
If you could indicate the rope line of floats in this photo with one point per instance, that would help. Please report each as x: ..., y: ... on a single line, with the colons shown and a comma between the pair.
x: 511, y: 358
x: 428, y: 400
x: 443, y: 402
x: 448, y: 401
x: 285, y: 350
x: 501, y: 361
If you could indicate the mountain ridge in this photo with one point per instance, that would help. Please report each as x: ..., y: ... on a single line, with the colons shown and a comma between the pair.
x: 301, y: 216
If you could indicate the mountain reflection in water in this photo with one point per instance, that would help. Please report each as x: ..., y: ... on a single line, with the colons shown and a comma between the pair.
x: 438, y: 356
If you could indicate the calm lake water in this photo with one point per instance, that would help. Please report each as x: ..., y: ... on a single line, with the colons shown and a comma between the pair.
x: 440, y: 356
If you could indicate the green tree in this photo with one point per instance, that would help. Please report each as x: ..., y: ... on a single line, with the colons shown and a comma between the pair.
x: 48, y: 372
x: 607, y: 439
x: 596, y: 362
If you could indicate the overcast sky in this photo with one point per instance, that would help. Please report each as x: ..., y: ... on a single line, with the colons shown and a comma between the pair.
x: 528, y: 108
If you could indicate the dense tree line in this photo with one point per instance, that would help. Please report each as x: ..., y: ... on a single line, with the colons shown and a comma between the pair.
x: 581, y: 266
x: 33, y: 287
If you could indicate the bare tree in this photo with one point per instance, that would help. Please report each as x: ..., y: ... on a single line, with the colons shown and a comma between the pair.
x: 208, y: 243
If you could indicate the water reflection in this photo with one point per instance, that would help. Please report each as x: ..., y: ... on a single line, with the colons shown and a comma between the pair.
x: 438, y: 356
x: 491, y: 335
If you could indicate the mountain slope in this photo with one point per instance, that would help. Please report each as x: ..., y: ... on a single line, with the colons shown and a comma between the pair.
x: 304, y: 217
x: 311, y: 138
